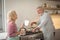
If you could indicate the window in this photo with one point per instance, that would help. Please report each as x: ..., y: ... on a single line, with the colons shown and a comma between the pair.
x: 2, y: 16
x: 1, y: 29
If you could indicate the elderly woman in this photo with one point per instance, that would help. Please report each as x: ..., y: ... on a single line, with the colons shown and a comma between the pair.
x: 12, y: 28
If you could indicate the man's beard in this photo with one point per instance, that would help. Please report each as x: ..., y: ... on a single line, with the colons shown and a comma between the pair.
x: 40, y: 14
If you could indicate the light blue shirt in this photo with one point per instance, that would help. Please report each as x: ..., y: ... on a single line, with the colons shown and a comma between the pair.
x: 46, y: 25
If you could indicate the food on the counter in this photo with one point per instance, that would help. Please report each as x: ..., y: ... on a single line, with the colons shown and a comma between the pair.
x: 22, y: 31
x: 33, y: 24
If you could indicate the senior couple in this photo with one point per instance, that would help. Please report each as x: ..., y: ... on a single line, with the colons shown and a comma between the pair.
x: 44, y: 23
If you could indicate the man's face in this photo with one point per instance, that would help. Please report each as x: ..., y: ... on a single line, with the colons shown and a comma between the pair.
x: 40, y: 10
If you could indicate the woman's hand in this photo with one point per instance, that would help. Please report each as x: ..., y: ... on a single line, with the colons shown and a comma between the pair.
x: 17, y: 33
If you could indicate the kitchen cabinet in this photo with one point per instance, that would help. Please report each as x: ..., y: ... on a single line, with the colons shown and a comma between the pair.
x: 46, y: 8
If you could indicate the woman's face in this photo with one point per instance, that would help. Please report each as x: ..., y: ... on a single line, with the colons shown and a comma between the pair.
x: 15, y: 16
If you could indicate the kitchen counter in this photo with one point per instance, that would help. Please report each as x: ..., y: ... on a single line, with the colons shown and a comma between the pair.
x: 32, y: 36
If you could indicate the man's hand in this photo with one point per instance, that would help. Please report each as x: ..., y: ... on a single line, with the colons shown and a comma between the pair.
x: 33, y: 30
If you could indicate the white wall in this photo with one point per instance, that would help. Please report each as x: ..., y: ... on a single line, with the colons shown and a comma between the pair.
x: 26, y: 9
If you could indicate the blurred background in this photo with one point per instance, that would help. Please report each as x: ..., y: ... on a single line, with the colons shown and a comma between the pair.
x: 26, y: 9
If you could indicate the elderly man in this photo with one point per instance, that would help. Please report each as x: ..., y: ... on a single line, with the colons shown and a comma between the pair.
x: 45, y: 24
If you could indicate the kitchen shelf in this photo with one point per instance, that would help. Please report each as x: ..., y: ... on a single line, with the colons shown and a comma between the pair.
x: 46, y: 8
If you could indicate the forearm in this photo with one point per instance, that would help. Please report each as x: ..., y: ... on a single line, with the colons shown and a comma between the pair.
x: 37, y: 28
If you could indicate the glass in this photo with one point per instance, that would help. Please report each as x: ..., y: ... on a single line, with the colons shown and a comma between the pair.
x: 26, y: 22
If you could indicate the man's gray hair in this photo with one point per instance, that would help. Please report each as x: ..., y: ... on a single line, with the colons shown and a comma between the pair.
x: 40, y: 7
